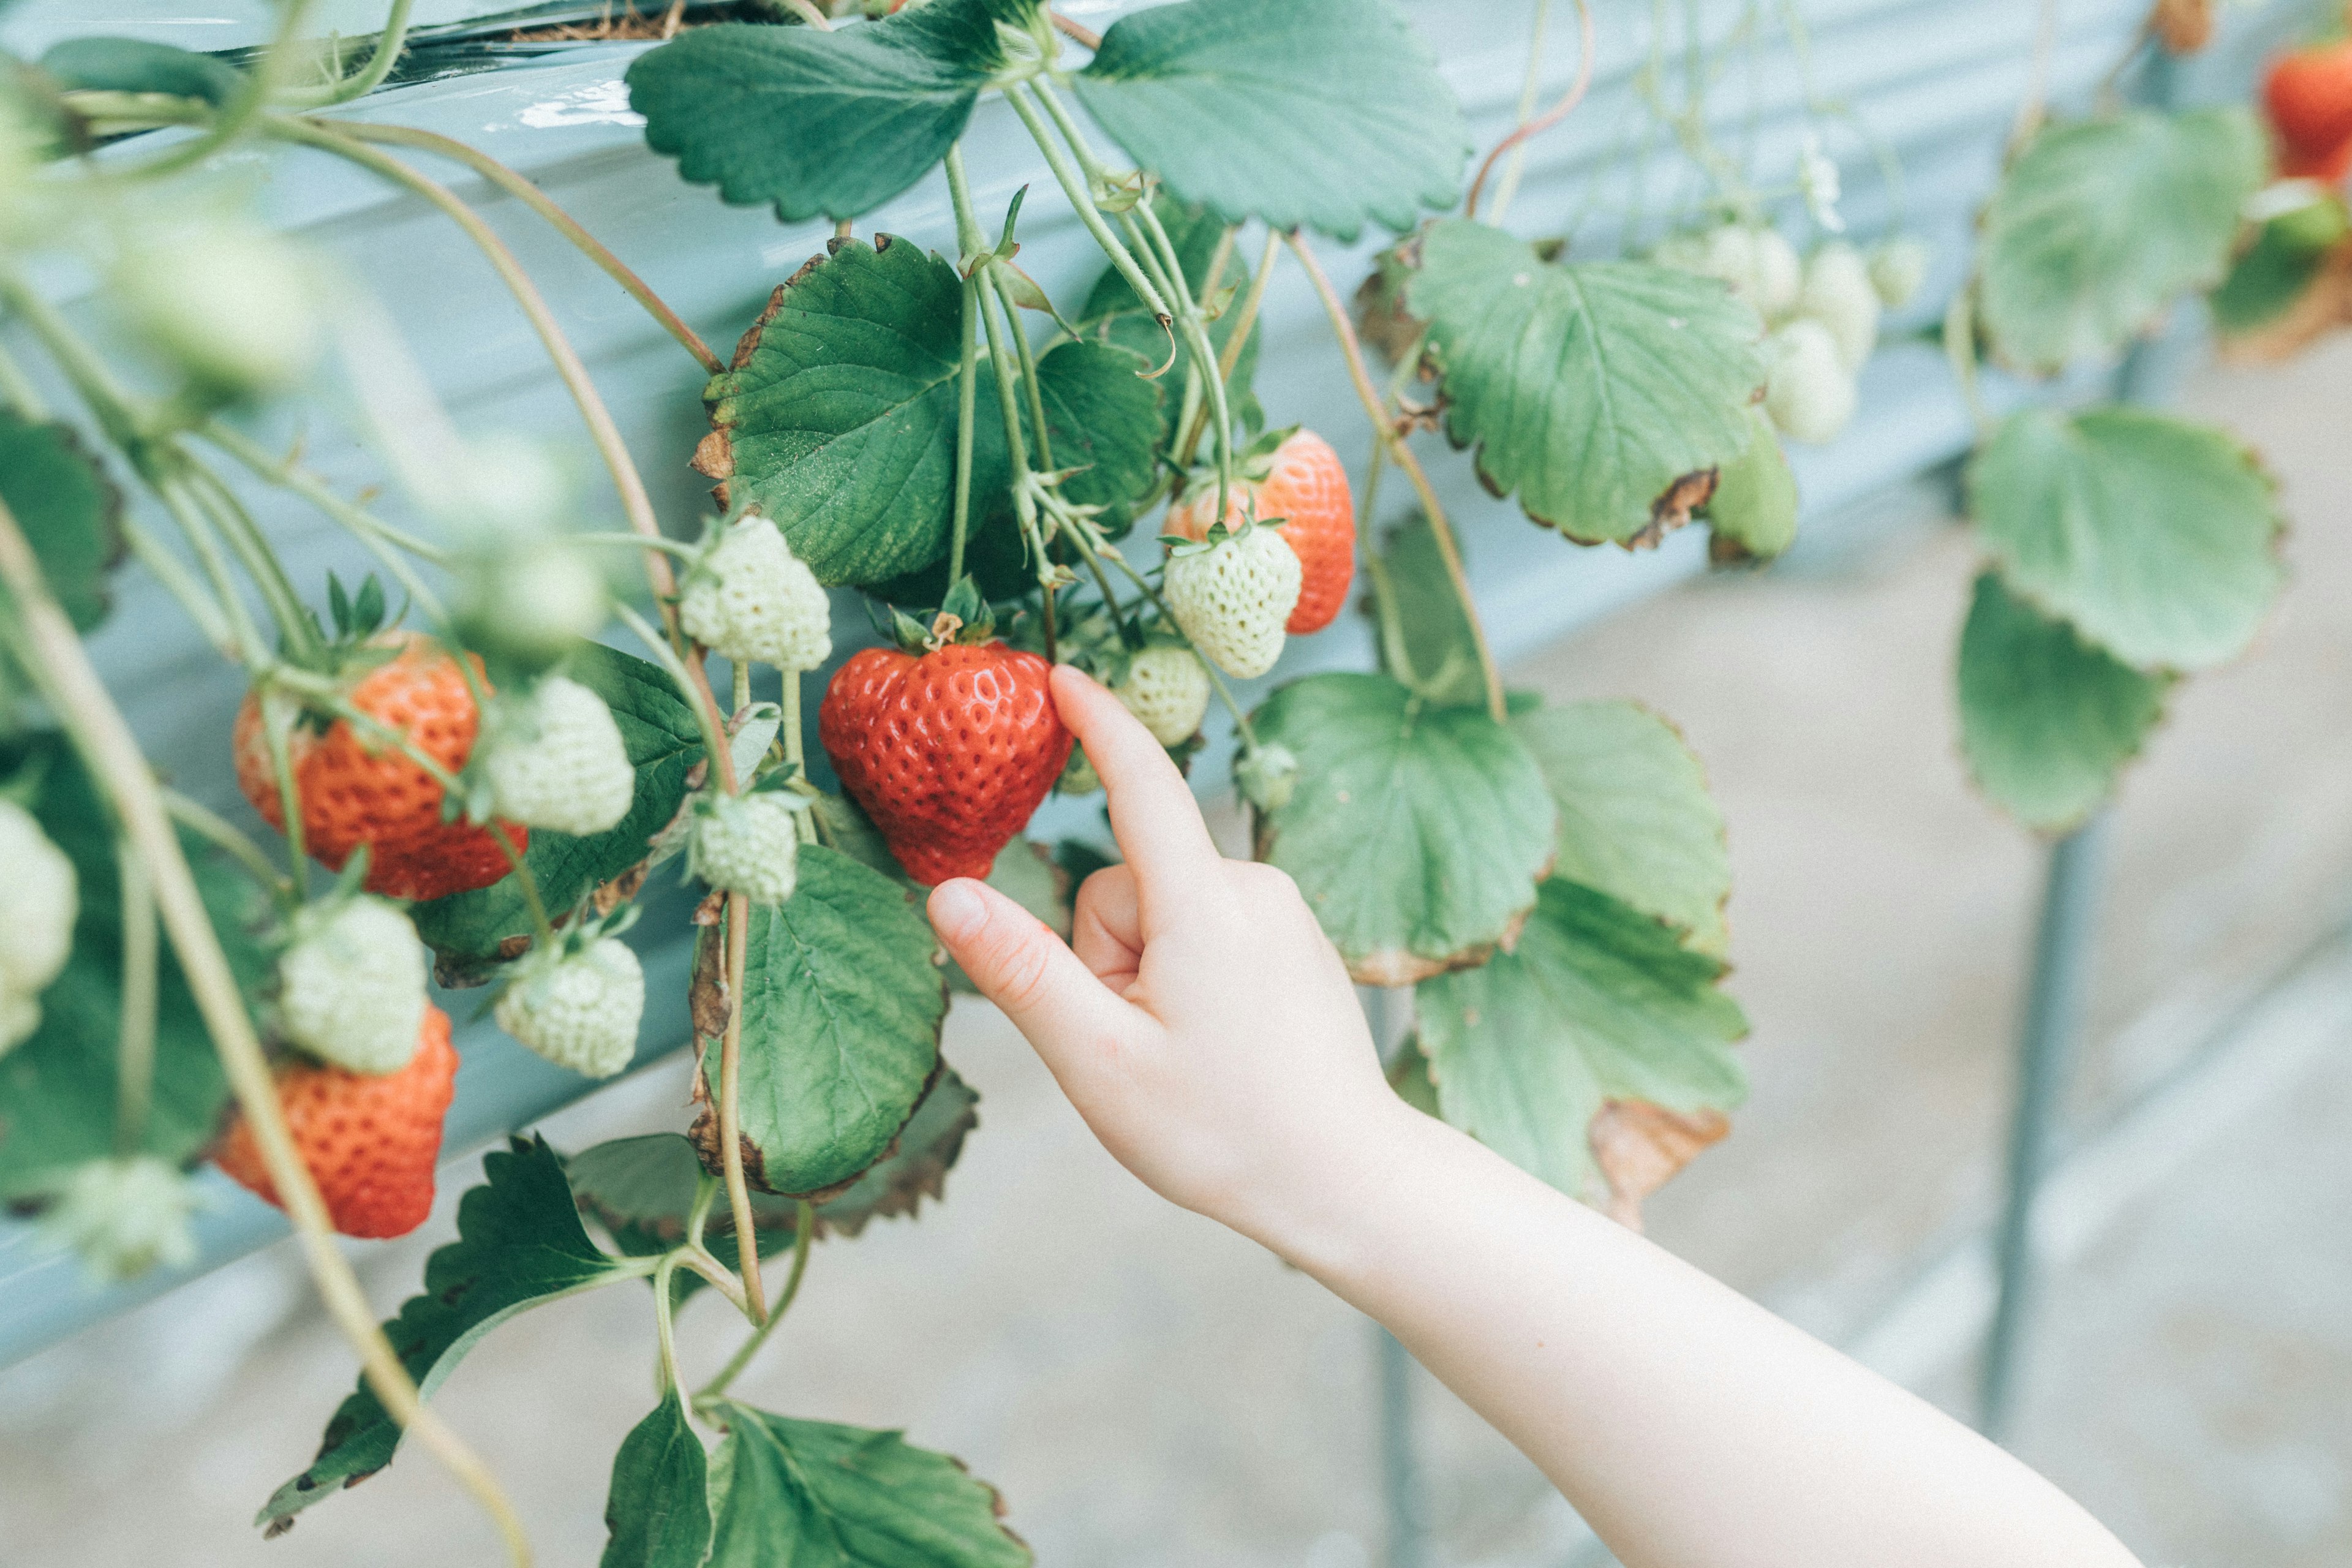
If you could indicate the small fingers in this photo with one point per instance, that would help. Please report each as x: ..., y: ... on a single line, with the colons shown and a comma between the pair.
x: 1022, y: 967
x: 1107, y: 927
x: 1152, y: 811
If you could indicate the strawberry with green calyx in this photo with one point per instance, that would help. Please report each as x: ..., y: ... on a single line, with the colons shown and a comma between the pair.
x: 1898, y: 266
x: 357, y: 785
x: 351, y: 984
x: 1232, y: 594
x: 1167, y: 687
x: 1838, y: 294
x: 37, y: 936
x: 748, y: 844
x: 749, y: 598
x: 578, y: 1000
x: 369, y: 1140
x: 948, y: 742
x: 124, y: 1217
x: 1267, y: 776
x: 553, y: 758
x: 1808, y: 390
x: 1295, y: 476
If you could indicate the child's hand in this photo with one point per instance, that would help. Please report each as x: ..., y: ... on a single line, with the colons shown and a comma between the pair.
x: 1203, y: 1026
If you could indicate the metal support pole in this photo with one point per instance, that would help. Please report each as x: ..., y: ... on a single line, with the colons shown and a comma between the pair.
x: 1408, y: 1538
x: 2054, y: 1007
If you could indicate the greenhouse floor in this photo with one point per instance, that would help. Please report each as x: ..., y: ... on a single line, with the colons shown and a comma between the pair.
x: 1150, y: 1391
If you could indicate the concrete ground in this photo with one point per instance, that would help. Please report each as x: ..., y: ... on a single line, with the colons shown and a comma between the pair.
x: 1150, y: 1391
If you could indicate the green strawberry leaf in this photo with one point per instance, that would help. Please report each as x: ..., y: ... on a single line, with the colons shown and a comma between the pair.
x: 137, y: 65
x: 816, y: 122
x: 645, y: 1187
x: 2268, y: 278
x: 1635, y: 819
x: 1588, y: 388
x: 1597, y: 1002
x: 58, y: 1088
x: 520, y: 1244
x: 69, y: 512
x: 2047, y: 719
x: 842, y: 1008
x: 658, y: 1507
x: 795, y: 1491
x: 1425, y: 638
x: 1416, y: 833
x: 1114, y: 315
x: 473, y: 933
x: 2101, y: 224
x: 2158, y: 538
x: 1329, y: 113
x: 1753, y: 512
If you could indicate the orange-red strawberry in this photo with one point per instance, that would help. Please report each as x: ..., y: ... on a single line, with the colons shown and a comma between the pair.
x: 2309, y: 95
x: 1303, y: 483
x: 949, y: 753
x: 2328, y: 167
x: 371, y: 1142
x: 355, y: 790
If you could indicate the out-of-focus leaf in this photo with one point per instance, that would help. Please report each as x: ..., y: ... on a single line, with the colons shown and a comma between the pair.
x: 69, y: 512
x: 138, y: 65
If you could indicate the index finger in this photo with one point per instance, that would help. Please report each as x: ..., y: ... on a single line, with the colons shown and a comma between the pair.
x: 1152, y: 811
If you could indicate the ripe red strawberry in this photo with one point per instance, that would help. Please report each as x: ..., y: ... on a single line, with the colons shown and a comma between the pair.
x: 356, y: 791
x: 949, y: 753
x: 371, y: 1142
x: 1303, y: 483
x: 2328, y: 167
x: 2309, y: 95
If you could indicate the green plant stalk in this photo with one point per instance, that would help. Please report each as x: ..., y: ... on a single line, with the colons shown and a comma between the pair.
x: 698, y: 1214
x: 173, y: 574
x: 1960, y: 353
x: 730, y: 1108
x: 971, y: 241
x: 518, y: 186
x: 1024, y: 500
x: 803, y: 823
x: 389, y: 44
x: 740, y: 694
x: 1031, y: 390
x: 295, y: 628
x: 1244, y: 323
x: 134, y: 1056
x: 278, y: 739
x: 1074, y: 186
x: 22, y: 395
x: 1407, y: 363
x: 1189, y: 412
x: 98, y: 732
x: 251, y: 651
x: 665, y: 1330
x: 1890, y: 167
x: 1385, y: 428
x: 804, y: 1232
x: 1508, y: 187
x: 225, y: 837
x: 380, y: 538
x: 1205, y: 353
x: 636, y: 503
x: 263, y: 81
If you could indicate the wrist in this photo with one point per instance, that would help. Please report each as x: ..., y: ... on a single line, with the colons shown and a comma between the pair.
x: 1325, y: 1209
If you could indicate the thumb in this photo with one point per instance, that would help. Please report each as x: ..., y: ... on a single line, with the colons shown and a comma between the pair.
x: 1021, y: 965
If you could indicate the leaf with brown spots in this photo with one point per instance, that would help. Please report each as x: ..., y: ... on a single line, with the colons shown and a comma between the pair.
x: 1640, y: 1147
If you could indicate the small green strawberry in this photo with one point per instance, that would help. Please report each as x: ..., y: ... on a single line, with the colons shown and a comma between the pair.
x: 577, y: 1003
x: 124, y: 1218
x: 1898, y: 268
x: 351, y: 986
x: 1269, y: 776
x: 37, y: 935
x: 555, y: 760
x: 1167, y: 688
x: 748, y: 845
x: 1838, y: 294
x: 1808, y: 390
x: 1232, y: 595
x: 749, y: 598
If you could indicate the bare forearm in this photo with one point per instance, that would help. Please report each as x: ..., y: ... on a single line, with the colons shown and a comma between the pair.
x: 1692, y: 1429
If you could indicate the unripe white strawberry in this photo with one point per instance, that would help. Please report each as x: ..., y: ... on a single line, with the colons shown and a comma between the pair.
x: 124, y: 1218
x: 748, y: 845
x: 749, y: 598
x: 1778, y: 275
x: 1838, y: 294
x: 1269, y: 776
x: 1168, y: 688
x: 578, y: 1008
x: 351, y: 986
x: 235, y: 307
x: 530, y: 601
x: 36, y: 933
x: 556, y: 761
x: 1759, y: 265
x: 1807, y: 390
x: 1898, y: 268
x: 1232, y: 596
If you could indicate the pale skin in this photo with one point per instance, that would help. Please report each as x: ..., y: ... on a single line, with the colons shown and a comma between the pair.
x: 1205, y: 1027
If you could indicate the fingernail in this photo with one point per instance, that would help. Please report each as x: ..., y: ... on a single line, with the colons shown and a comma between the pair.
x: 957, y: 910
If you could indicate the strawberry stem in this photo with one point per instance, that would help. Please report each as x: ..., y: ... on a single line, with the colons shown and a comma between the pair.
x: 1384, y: 429
x: 664, y: 1329
x: 57, y: 660
x: 730, y: 1110
x: 224, y: 836
x: 134, y: 1054
x: 389, y: 44
x: 804, y: 1232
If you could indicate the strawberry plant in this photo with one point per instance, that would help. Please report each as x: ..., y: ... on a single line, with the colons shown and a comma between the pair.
x: 941, y: 439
